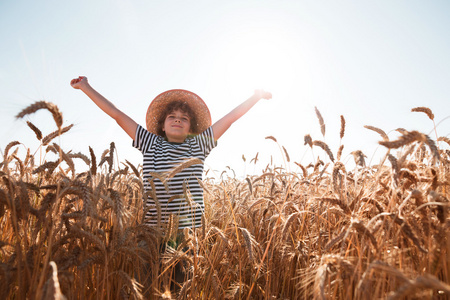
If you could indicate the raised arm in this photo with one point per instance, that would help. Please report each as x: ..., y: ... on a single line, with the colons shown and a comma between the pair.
x: 223, y: 124
x: 127, y: 124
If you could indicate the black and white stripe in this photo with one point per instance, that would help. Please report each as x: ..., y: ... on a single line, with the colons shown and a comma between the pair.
x: 160, y: 156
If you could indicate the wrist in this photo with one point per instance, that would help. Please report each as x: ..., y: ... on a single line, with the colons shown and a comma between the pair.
x: 85, y: 87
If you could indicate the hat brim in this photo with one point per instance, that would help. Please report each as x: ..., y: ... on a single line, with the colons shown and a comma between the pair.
x: 196, y: 103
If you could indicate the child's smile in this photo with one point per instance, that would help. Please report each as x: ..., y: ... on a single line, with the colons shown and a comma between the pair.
x: 177, y: 126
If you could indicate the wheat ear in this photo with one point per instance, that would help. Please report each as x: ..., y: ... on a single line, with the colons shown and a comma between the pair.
x: 337, y: 166
x: 132, y: 284
x: 249, y: 240
x: 65, y: 157
x: 342, y: 131
x: 405, y: 139
x: 110, y: 158
x: 359, y: 156
x: 338, y: 202
x: 379, y: 131
x: 47, y: 139
x: 186, y: 164
x: 425, y: 110
x: 57, y: 115
x: 321, y: 122
x: 339, y: 152
x: 305, y: 172
x: 444, y: 139
x: 286, y: 154
x: 359, y: 226
x: 8, y: 147
x: 81, y: 156
x: 419, y: 284
x: 271, y: 138
x: 53, y: 290
x: 325, y: 147
x: 319, y: 282
x: 308, y: 140
x: 94, y: 162
x: 135, y: 170
x: 36, y: 130
x: 408, y: 232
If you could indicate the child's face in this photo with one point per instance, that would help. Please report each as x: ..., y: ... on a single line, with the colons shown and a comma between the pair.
x: 177, y: 126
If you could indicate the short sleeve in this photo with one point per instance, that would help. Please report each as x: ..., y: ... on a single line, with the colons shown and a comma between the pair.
x: 144, y: 139
x: 206, y: 141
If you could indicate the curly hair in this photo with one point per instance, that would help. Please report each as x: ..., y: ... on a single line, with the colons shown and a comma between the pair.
x: 174, y: 106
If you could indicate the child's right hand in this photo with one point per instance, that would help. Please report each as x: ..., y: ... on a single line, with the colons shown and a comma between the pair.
x: 262, y: 94
x: 79, y: 82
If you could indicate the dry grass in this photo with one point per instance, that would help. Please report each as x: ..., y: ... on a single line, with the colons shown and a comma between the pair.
x: 373, y: 232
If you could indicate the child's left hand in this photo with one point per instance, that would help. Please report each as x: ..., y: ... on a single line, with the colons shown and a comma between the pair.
x: 262, y: 94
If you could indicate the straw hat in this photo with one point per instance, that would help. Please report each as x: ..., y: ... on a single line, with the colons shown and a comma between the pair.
x: 196, y: 103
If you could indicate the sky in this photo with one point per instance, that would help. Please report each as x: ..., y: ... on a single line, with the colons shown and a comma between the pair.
x: 370, y: 61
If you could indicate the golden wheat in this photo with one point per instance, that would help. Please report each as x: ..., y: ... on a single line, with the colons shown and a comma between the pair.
x: 48, y: 138
x: 340, y: 234
x: 342, y: 131
x: 321, y: 122
x: 425, y: 110
x: 379, y: 131
x: 57, y: 115
x: 325, y: 147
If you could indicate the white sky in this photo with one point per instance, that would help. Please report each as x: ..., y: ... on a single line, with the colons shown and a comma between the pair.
x: 371, y: 61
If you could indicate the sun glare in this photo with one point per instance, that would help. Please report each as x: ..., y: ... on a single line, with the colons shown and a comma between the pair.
x: 260, y: 60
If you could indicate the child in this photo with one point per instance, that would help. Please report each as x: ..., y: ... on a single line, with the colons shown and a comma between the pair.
x: 178, y: 129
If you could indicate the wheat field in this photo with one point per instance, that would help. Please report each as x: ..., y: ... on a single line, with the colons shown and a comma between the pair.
x: 373, y: 232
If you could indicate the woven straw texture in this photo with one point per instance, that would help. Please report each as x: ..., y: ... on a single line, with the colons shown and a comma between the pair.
x: 194, y: 101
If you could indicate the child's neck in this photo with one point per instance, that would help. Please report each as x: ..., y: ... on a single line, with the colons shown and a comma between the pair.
x: 175, y: 140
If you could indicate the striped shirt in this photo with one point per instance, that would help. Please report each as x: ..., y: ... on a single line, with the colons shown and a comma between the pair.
x: 160, y: 157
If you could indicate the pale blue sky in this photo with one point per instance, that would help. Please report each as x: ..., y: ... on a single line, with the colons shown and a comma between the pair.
x: 371, y: 61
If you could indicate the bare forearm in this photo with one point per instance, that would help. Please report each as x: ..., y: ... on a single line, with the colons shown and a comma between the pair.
x: 127, y: 124
x: 104, y: 104
x: 241, y: 110
x: 221, y: 126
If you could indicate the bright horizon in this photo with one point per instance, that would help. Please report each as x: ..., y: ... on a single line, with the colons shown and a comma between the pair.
x: 371, y: 62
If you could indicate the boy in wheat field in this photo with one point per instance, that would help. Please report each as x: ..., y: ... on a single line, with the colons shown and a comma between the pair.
x: 178, y: 137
